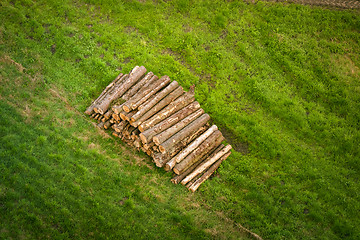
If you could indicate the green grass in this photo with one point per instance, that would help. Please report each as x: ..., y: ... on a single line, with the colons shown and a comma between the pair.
x: 281, y: 81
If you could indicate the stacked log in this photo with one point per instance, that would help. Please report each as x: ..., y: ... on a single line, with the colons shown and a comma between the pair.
x: 155, y: 115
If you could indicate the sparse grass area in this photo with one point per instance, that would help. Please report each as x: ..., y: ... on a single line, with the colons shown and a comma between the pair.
x: 282, y: 82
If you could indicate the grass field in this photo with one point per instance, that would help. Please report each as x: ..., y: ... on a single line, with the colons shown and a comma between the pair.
x: 281, y: 81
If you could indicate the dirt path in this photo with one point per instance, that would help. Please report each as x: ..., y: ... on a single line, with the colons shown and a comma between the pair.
x: 351, y: 4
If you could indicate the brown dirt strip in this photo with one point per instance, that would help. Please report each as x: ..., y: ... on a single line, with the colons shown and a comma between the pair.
x: 352, y: 4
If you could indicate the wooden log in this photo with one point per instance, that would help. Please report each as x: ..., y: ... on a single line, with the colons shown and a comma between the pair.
x: 147, y: 135
x: 101, y: 125
x: 133, y: 103
x: 160, y: 105
x: 134, y: 89
x: 163, y: 93
x: 165, y: 135
x: 206, y: 164
x: 173, y: 107
x: 108, y: 114
x: 161, y: 159
x: 111, y: 91
x: 107, y: 124
x: 115, y: 134
x: 90, y: 109
x: 178, y: 178
x: 120, y: 127
x: 146, y: 102
x: 179, y: 157
x: 208, y: 173
x: 183, y: 133
x: 210, y: 143
x: 129, y: 82
x: 97, y: 116
x: 93, y: 115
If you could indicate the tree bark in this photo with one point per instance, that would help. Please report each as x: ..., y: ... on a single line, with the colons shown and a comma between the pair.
x: 210, y: 143
x: 162, y: 137
x: 129, y: 82
x: 155, y: 100
x: 173, y: 107
x: 208, y: 173
x: 145, y: 103
x: 160, y: 105
x: 90, y: 109
x: 140, y: 98
x: 178, y: 178
x: 206, y: 164
x: 183, y: 133
x: 134, y: 89
x: 147, y: 135
x: 179, y: 157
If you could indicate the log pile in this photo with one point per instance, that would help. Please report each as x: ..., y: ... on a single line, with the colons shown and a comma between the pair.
x: 155, y: 115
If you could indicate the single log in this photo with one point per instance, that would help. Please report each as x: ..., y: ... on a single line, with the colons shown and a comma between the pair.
x: 137, y: 100
x: 107, y: 124
x: 210, y: 143
x: 160, y: 105
x: 179, y: 157
x: 178, y: 178
x: 130, y: 81
x: 206, y: 164
x: 155, y: 100
x: 173, y: 107
x: 134, y: 89
x: 147, y: 135
x: 208, y: 173
x: 183, y: 133
x: 90, y: 109
x: 110, y: 92
x: 97, y: 116
x: 161, y: 159
x: 162, y: 137
x: 115, y: 134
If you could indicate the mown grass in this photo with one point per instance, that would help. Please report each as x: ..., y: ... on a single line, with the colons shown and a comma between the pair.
x: 282, y: 82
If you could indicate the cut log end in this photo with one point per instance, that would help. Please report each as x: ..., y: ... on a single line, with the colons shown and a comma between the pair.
x: 126, y: 108
x: 162, y: 149
x: 156, y: 140
x: 143, y: 138
x: 141, y: 128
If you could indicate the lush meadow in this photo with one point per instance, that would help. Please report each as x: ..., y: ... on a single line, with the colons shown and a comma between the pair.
x: 281, y: 81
